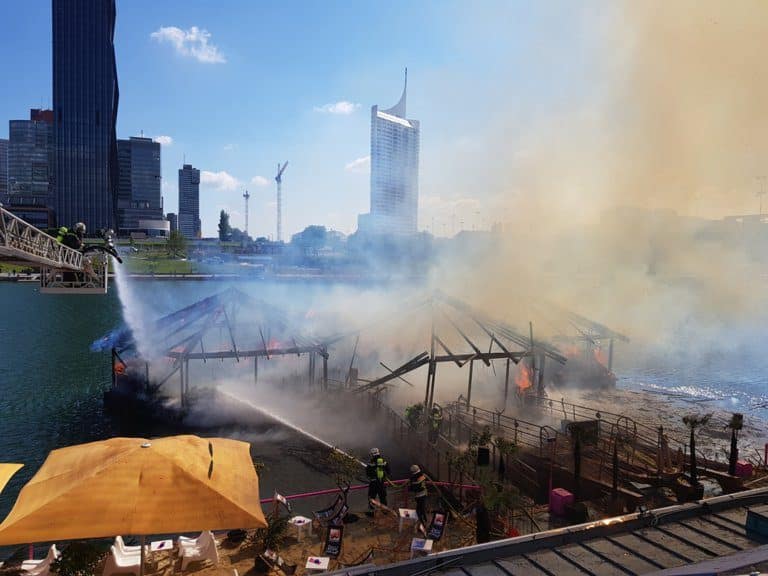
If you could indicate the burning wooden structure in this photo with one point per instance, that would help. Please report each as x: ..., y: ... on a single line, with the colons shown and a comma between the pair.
x: 210, y: 330
x: 452, y: 318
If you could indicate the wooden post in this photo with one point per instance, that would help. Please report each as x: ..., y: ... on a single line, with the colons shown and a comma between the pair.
x: 432, y: 386
x: 533, y: 353
x: 610, y: 354
x: 506, y: 385
x: 114, y: 377
x: 431, y: 370
x: 325, y: 369
x: 311, y: 369
x: 541, y: 375
x: 469, y: 383
x: 181, y: 382
x: 429, y: 384
x: 255, y: 369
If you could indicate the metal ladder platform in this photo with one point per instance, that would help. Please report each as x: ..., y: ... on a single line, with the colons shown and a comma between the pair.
x: 22, y: 242
x: 63, y: 270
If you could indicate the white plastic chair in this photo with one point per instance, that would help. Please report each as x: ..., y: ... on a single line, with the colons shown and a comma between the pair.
x: 126, y: 550
x: 41, y: 567
x: 198, y: 549
x: 118, y: 563
x: 187, y: 542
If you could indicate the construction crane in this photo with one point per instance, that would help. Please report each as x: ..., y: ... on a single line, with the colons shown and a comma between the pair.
x: 279, y: 180
x: 246, y: 196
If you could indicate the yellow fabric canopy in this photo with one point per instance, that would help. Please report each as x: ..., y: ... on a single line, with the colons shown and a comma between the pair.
x: 6, y: 473
x: 137, y: 486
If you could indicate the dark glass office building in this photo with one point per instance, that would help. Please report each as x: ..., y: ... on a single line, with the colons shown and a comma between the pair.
x: 139, y: 195
x: 30, y: 160
x: 85, y: 97
x: 3, y: 169
x: 189, y: 201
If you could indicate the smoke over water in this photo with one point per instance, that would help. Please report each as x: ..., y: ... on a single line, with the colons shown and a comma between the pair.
x: 609, y: 202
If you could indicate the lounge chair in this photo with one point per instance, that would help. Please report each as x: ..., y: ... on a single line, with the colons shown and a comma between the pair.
x: 334, y: 514
x: 273, y: 561
x: 199, y: 549
x: 119, y: 563
x: 41, y: 567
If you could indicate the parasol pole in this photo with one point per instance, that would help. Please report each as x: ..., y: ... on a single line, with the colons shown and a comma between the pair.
x: 142, y: 539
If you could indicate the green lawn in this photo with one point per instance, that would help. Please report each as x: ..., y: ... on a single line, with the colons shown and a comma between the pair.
x: 158, y: 265
x: 9, y: 268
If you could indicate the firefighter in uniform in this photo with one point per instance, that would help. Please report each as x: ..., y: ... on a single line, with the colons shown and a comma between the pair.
x: 418, y: 486
x: 377, y: 472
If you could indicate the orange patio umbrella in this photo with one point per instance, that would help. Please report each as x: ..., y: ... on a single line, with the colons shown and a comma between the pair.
x: 6, y: 473
x: 137, y: 486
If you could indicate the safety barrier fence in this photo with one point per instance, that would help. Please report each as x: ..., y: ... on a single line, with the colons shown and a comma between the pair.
x: 357, y: 487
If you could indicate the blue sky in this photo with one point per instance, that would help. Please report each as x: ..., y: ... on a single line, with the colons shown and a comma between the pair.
x: 236, y: 86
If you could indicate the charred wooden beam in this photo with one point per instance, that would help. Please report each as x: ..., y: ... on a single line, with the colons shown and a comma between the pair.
x: 231, y: 336
x: 466, y: 338
x: 413, y: 364
x: 264, y: 342
x: 249, y: 353
x: 399, y: 377
x: 448, y: 351
x: 484, y: 356
x: 492, y: 336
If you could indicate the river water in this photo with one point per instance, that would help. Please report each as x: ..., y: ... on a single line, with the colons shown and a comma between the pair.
x: 51, y: 385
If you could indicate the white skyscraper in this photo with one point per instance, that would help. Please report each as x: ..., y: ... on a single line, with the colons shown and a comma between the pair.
x: 394, y: 170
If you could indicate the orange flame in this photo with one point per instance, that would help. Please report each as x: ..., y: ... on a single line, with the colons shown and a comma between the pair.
x: 524, y: 377
x: 600, y: 356
x: 571, y: 351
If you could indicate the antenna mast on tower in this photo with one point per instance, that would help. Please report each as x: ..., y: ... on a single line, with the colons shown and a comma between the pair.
x: 279, y: 180
x: 246, y: 196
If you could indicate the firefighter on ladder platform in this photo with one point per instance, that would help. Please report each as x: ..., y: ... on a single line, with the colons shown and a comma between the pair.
x: 73, y: 238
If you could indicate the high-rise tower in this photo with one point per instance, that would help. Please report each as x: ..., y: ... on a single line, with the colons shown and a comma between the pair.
x: 189, y: 201
x: 85, y: 98
x: 394, y: 169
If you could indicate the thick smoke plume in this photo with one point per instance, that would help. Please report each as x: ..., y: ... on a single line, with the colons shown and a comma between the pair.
x: 608, y: 201
x: 609, y: 196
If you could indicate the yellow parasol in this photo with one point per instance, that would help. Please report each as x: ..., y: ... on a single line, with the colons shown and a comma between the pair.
x: 137, y: 486
x: 6, y: 473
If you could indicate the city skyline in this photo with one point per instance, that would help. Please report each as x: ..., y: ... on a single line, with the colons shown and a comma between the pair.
x: 192, y: 80
x: 523, y: 105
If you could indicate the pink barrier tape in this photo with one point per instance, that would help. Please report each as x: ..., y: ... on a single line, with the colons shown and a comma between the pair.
x: 364, y: 487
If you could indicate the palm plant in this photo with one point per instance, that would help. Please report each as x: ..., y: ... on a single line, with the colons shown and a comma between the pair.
x: 736, y: 423
x: 693, y: 422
